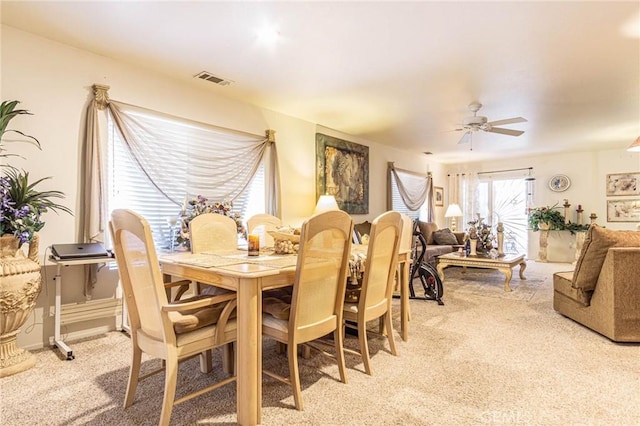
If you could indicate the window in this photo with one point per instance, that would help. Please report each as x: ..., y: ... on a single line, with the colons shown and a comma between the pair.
x: 130, y: 187
x: 397, y: 204
x: 504, y: 200
x: 415, y: 184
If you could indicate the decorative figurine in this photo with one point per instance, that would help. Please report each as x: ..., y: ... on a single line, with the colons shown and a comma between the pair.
x: 579, y: 214
x: 566, y: 211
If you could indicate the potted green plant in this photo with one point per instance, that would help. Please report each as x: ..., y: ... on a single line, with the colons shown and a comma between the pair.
x: 545, y: 218
x: 21, y: 210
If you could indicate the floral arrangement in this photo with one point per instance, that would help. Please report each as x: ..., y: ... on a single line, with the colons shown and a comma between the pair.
x: 21, y: 206
x: 201, y: 205
x: 482, y: 232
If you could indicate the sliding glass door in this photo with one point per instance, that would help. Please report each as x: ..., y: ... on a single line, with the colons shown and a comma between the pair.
x: 504, y: 200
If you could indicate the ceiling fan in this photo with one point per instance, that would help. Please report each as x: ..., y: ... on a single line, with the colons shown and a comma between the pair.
x: 477, y: 123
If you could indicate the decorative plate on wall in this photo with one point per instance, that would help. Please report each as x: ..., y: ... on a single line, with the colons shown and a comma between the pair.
x: 559, y: 183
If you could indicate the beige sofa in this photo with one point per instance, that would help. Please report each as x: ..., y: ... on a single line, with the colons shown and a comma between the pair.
x: 603, y: 292
x: 434, y: 249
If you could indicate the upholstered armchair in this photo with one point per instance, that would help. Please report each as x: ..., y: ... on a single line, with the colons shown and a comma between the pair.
x: 603, y: 292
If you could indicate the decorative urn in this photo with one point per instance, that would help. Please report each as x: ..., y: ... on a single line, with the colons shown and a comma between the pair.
x: 20, y: 283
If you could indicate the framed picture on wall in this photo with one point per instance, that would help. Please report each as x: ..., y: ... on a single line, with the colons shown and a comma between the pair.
x: 342, y: 170
x: 623, y: 184
x: 438, y: 196
x: 623, y: 210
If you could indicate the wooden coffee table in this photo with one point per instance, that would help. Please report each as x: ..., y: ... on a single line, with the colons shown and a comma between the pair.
x: 505, y: 264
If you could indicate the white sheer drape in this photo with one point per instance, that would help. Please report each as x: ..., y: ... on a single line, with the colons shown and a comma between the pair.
x: 414, y: 189
x: 463, y: 190
x: 200, y: 159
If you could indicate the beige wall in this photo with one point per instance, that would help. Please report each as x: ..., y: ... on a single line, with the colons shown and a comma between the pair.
x: 54, y: 81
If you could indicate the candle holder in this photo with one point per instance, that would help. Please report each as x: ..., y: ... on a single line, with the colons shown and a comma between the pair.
x: 579, y: 211
x: 253, y: 245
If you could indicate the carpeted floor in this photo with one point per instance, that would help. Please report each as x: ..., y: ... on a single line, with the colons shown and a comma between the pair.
x: 485, y: 357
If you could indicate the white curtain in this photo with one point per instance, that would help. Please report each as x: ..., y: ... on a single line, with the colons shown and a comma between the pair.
x: 464, y: 192
x: 414, y: 189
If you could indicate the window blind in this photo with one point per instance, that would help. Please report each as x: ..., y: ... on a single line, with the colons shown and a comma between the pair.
x: 190, y: 164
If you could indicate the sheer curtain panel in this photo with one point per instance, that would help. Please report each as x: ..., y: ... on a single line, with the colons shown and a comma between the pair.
x: 414, y: 189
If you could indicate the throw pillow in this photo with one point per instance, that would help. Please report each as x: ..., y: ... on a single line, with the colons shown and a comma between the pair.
x: 427, y: 229
x: 596, y: 244
x: 444, y: 237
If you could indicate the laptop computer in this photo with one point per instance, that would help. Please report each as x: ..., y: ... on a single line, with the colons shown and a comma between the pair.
x: 78, y: 251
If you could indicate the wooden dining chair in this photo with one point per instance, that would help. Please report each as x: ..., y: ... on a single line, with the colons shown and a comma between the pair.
x: 318, y: 295
x: 170, y: 331
x: 377, y: 284
x: 406, y: 243
x: 210, y: 232
x: 261, y: 224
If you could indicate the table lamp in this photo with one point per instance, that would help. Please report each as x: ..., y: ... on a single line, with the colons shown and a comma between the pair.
x: 453, y: 211
x: 326, y: 203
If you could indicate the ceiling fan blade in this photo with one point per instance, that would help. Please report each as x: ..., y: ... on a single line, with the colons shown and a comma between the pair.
x: 508, y: 121
x: 465, y: 138
x: 505, y: 131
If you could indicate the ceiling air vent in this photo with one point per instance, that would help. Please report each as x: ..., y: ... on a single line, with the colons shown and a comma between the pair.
x: 212, y: 78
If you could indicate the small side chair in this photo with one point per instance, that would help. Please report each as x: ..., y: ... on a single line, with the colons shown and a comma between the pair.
x: 318, y: 295
x: 377, y: 284
x: 170, y: 331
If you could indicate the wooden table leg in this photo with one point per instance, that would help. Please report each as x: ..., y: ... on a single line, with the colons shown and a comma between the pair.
x: 404, y: 301
x: 249, y: 347
x: 507, y: 277
x: 523, y: 266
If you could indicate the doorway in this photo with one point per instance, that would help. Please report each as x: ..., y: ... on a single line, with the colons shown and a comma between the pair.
x: 504, y: 200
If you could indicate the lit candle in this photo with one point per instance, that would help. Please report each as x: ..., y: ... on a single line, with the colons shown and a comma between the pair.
x: 254, y: 245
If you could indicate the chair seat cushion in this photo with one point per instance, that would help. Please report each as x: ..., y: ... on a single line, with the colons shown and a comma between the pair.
x: 187, y: 321
x: 276, y: 307
x: 274, y: 323
x: 562, y: 285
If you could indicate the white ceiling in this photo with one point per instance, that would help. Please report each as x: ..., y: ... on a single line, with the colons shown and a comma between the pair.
x: 396, y: 73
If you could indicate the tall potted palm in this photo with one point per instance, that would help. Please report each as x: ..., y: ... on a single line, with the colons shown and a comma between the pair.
x: 21, y: 210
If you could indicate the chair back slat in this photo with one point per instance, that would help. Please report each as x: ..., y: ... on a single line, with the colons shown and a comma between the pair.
x: 139, y: 271
x: 382, y: 259
x: 320, y: 282
x: 261, y: 224
x: 211, y: 232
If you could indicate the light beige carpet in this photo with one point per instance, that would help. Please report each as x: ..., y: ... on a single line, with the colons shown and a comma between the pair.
x: 484, y: 358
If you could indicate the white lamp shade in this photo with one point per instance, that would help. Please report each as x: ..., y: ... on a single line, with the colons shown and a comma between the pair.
x: 453, y: 211
x: 635, y: 146
x: 326, y: 203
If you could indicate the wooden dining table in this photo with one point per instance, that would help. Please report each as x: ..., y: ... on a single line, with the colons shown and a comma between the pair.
x: 249, y: 276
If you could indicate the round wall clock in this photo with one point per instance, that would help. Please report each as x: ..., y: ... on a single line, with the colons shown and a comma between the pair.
x: 559, y: 183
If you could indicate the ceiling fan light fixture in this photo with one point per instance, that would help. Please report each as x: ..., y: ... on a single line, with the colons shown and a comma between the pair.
x: 477, y: 123
x: 635, y: 146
